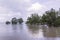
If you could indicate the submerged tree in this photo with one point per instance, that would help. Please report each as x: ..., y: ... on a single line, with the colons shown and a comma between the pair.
x: 33, y: 28
x: 51, y: 18
x: 20, y: 21
x: 7, y: 22
x: 34, y: 19
x: 14, y: 20
x: 57, y: 22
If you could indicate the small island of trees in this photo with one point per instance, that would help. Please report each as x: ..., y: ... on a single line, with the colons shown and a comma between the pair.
x: 50, y: 18
x: 15, y: 21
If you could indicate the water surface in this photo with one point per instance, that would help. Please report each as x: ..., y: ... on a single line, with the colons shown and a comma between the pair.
x: 28, y: 32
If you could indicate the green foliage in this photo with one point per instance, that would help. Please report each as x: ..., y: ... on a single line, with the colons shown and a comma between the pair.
x: 20, y: 21
x: 34, y: 19
x: 57, y: 22
x: 50, y: 18
x: 44, y: 19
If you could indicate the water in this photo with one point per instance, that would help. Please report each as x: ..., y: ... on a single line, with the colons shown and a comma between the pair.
x: 28, y: 32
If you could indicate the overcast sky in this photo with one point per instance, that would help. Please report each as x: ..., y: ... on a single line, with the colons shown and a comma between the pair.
x: 23, y: 8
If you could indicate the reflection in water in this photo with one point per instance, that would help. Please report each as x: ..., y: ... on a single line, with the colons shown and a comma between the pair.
x: 14, y: 27
x: 57, y: 31
x: 35, y: 31
x: 49, y: 32
x: 17, y: 28
x: 44, y: 30
x: 34, y: 28
x: 20, y: 26
x: 23, y: 32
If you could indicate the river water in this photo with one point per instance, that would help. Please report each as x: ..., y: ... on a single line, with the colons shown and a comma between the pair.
x: 28, y: 32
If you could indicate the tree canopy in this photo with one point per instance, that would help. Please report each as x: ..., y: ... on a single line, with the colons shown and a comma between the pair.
x: 15, y: 21
x: 34, y: 19
x: 50, y: 18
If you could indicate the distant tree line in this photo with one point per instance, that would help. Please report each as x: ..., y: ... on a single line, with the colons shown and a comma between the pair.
x: 50, y: 18
x: 15, y: 21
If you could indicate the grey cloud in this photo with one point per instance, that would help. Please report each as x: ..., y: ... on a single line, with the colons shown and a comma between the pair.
x: 15, y: 5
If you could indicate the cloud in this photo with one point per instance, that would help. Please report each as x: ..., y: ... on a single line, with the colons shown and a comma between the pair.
x: 36, y: 8
x: 52, y: 4
x: 16, y: 5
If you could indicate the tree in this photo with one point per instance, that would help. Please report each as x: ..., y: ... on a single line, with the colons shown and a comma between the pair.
x: 20, y: 21
x: 7, y: 22
x: 14, y: 20
x: 49, y: 17
x: 57, y: 22
x: 34, y: 19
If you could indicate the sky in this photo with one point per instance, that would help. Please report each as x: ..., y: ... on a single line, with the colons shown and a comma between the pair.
x: 24, y: 8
